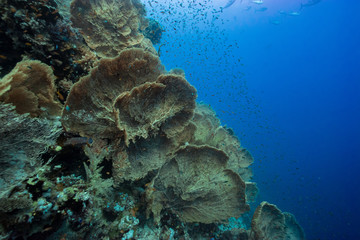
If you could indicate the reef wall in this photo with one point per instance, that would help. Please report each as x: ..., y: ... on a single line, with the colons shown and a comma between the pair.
x: 115, y: 146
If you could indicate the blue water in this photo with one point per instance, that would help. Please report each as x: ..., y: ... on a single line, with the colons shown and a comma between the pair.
x: 289, y: 86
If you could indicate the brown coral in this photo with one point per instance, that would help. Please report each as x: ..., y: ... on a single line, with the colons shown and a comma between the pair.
x: 110, y: 26
x: 30, y: 87
x: 196, y: 185
x: 128, y: 98
x: 89, y: 107
x: 270, y: 223
x: 168, y: 103
x: 293, y: 229
x: 137, y: 160
x: 209, y: 131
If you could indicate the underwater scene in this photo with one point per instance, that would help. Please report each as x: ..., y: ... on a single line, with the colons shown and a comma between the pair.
x: 179, y: 119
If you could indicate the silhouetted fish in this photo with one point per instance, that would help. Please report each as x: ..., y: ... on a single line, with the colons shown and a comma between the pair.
x: 310, y: 3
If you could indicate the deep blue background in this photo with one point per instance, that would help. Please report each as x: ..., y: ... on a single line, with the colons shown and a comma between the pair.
x: 291, y: 92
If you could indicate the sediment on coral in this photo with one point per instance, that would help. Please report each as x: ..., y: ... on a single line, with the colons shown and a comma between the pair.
x: 196, y: 185
x: 111, y: 26
x: 30, y: 86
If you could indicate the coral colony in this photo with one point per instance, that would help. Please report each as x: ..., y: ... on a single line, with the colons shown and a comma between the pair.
x: 99, y: 141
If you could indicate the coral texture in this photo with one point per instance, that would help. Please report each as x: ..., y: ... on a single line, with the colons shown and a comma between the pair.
x: 167, y: 103
x: 30, y: 87
x: 37, y: 30
x: 110, y: 26
x: 209, y: 131
x: 270, y: 223
x: 23, y: 139
x: 137, y: 160
x: 89, y: 107
x: 153, y: 31
x: 251, y: 191
x: 196, y: 185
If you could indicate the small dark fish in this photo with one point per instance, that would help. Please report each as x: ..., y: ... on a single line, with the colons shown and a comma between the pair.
x: 159, y: 50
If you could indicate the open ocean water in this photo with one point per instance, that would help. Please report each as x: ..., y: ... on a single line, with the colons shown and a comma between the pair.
x: 285, y: 76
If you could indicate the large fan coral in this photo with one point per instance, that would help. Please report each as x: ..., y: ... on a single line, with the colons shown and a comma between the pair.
x: 167, y: 103
x: 111, y: 26
x: 30, y: 87
x: 90, y: 105
x: 270, y: 223
x: 196, y: 185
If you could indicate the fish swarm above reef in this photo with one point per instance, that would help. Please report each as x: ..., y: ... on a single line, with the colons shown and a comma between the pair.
x: 99, y: 141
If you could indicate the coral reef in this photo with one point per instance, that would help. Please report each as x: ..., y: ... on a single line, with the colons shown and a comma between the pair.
x: 37, y: 30
x: 30, y: 86
x: 130, y: 154
x: 110, y: 26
